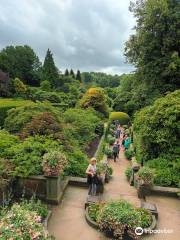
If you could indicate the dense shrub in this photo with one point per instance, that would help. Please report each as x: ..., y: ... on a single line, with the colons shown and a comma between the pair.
x: 19, y: 117
x: 156, y: 128
x: 95, y: 98
x: 7, y: 104
x: 6, y: 141
x: 27, y: 156
x: 167, y: 172
x: 83, y: 124
x: 121, y: 116
x: 42, y: 124
x: 77, y: 163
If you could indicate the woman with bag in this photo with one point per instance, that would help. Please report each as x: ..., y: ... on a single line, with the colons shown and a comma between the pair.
x: 92, y: 177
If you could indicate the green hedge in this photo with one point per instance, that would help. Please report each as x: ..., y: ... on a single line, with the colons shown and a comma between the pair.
x: 121, y: 116
x: 8, y: 103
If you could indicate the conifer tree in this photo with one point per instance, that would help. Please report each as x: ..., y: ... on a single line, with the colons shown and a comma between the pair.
x: 78, y: 75
x: 66, y: 72
x: 72, y: 73
x: 50, y: 71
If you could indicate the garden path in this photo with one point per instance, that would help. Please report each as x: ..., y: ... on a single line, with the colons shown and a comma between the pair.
x: 68, y: 221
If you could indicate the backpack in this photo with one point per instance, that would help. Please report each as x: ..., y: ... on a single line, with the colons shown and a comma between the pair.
x: 115, y: 148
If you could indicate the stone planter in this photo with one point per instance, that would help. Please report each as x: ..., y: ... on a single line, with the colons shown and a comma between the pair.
x: 89, y: 220
x: 53, y: 189
x: 151, y: 227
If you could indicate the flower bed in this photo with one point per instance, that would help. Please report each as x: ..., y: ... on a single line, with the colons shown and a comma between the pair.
x: 21, y: 222
x: 118, y: 219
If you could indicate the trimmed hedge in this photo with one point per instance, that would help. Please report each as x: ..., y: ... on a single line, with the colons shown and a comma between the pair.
x: 8, y: 103
x: 121, y: 116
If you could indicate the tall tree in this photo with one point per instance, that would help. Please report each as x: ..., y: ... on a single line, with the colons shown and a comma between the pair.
x: 66, y: 73
x: 72, y: 73
x: 154, y: 48
x: 21, y: 62
x: 78, y: 75
x: 50, y: 71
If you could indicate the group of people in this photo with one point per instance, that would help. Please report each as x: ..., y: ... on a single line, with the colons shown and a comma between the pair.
x: 122, y: 141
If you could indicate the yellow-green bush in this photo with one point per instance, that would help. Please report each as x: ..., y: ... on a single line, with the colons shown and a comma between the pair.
x: 121, y: 116
x: 8, y: 103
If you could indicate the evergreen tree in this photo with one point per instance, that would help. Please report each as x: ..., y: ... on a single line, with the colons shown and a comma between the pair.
x: 50, y: 71
x: 21, y: 62
x: 66, y: 72
x: 72, y: 73
x: 78, y: 75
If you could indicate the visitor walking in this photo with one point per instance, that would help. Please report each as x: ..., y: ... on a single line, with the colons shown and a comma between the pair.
x: 92, y: 179
x: 115, y: 150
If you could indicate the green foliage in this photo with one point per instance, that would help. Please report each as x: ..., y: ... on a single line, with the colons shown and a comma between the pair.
x: 45, y: 85
x: 156, y: 128
x: 42, y: 124
x: 154, y: 47
x: 19, y: 117
x: 167, y: 172
x: 95, y: 98
x: 110, y: 139
x: 146, y: 217
x: 121, y: 116
x: 20, y: 87
x: 83, y: 124
x: 128, y: 172
x: 108, y: 152
x: 34, y: 205
x: 8, y: 103
x: 129, y: 153
x: 27, y: 156
x: 21, y: 62
x: 77, y: 163
x: 146, y: 174
x: 94, y: 210
x: 6, y: 141
x: 103, y: 80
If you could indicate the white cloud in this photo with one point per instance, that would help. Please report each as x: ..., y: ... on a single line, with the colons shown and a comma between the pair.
x: 82, y: 34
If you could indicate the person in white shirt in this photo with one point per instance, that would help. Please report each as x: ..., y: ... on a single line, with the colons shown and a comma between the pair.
x: 91, y: 177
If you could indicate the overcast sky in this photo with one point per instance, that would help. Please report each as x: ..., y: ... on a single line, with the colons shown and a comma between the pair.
x: 82, y: 34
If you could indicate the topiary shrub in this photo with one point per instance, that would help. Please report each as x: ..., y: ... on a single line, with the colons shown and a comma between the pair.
x: 121, y: 116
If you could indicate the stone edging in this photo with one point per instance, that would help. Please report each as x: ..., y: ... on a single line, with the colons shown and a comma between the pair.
x: 46, y: 220
x: 89, y: 220
x: 152, y: 226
